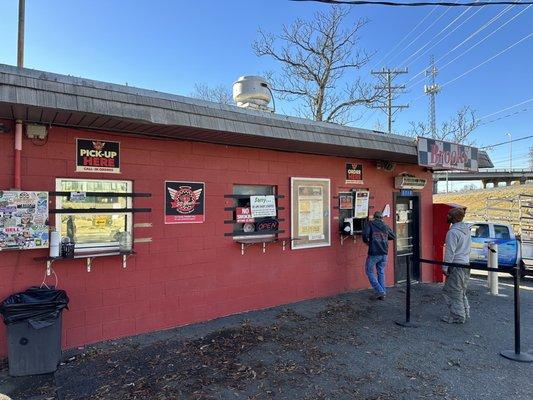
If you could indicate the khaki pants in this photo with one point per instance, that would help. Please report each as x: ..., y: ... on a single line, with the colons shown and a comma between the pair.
x: 455, y: 293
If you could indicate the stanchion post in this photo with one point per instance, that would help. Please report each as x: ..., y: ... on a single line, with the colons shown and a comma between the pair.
x: 407, y: 323
x: 517, y: 355
x: 492, y: 262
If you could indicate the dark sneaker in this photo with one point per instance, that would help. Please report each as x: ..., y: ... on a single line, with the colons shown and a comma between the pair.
x: 382, y: 297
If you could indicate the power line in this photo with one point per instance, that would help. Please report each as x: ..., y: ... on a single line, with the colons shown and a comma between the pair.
x: 473, y: 34
x: 418, y: 4
x: 488, y: 60
x: 507, y: 142
x: 421, y: 33
x: 444, y: 37
x: 406, y: 36
x: 505, y: 116
x: 482, y: 63
x: 406, y: 62
x: 506, y: 108
x: 482, y: 40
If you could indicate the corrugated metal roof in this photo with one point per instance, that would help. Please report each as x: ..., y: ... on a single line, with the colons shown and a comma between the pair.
x: 43, y: 97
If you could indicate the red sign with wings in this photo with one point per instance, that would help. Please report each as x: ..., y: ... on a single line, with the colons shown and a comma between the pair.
x: 184, y: 202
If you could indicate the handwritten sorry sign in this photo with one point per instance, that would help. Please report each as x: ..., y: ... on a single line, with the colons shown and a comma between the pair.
x: 263, y: 206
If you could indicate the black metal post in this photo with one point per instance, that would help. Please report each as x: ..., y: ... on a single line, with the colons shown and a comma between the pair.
x: 407, y: 323
x: 516, y: 355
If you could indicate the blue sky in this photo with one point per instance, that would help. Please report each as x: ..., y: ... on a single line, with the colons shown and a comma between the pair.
x: 171, y: 45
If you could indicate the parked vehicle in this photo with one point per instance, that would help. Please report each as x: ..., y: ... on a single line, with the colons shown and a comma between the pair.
x: 511, y: 251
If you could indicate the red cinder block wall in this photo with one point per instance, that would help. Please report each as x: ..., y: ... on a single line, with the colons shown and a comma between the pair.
x: 191, y: 272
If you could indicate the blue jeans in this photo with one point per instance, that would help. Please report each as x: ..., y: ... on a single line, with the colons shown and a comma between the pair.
x: 380, y: 263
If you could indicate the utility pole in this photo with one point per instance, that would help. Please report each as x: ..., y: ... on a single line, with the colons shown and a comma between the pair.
x: 386, y: 77
x: 431, y: 90
x: 20, y: 44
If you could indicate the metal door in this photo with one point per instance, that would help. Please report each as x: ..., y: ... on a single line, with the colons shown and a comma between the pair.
x: 407, y: 237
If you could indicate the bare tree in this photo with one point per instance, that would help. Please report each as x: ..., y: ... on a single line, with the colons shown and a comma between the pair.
x: 457, y: 129
x: 318, y: 59
x: 218, y: 94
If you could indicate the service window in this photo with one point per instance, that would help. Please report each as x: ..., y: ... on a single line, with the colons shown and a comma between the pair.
x: 501, y: 232
x: 246, y: 222
x: 480, y: 231
x: 94, y: 230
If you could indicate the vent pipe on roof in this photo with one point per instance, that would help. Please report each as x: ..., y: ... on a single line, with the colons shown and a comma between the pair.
x: 252, y: 92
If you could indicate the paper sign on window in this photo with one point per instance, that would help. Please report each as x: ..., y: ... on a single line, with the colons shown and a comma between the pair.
x: 263, y: 206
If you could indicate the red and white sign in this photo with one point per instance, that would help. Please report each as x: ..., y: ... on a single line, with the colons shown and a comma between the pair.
x: 437, y: 154
x: 244, y: 215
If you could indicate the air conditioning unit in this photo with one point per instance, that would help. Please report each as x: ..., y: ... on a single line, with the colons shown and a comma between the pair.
x: 409, y: 182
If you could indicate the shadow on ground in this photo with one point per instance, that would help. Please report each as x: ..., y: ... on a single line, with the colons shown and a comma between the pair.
x: 342, y: 347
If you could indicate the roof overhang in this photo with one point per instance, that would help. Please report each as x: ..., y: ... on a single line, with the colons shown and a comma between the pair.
x: 42, y: 97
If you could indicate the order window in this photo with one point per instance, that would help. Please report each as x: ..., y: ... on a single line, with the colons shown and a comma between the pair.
x: 94, y: 230
x: 244, y: 202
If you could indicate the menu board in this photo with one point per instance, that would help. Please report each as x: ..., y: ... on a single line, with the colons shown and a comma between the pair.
x: 310, y: 203
x: 23, y: 220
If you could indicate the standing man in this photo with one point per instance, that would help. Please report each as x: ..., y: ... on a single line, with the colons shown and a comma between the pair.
x: 457, y: 250
x: 376, y: 235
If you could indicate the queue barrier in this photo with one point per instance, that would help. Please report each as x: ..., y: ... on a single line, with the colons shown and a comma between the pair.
x: 516, y: 354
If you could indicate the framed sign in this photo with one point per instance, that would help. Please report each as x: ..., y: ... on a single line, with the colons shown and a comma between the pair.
x: 94, y: 155
x: 361, y: 203
x: 345, y: 201
x: 310, y: 212
x: 184, y: 202
x: 23, y: 220
x: 437, y: 154
x: 354, y: 174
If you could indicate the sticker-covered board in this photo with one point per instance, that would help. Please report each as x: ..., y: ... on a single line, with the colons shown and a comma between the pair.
x: 23, y: 220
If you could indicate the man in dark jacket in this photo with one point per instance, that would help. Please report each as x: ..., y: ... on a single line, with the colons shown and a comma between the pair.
x: 376, y: 235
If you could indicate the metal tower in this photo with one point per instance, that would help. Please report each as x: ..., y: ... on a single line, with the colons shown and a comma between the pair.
x: 431, y: 90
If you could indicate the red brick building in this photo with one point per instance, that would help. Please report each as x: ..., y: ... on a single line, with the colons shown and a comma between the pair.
x: 190, y: 272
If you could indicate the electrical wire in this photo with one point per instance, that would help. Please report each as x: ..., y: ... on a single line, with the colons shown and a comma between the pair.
x: 480, y: 64
x: 505, y: 116
x: 469, y: 37
x: 507, y: 142
x: 406, y: 36
x: 421, y: 33
x: 409, y: 61
x: 479, y: 42
x: 487, y: 60
x: 506, y: 108
x: 417, y: 4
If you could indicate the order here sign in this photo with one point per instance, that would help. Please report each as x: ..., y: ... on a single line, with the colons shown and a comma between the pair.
x: 437, y: 154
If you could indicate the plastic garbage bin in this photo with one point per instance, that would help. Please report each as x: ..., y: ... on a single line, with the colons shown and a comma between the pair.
x: 33, y: 320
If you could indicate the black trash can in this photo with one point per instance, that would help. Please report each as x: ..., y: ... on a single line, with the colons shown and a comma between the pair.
x: 33, y: 320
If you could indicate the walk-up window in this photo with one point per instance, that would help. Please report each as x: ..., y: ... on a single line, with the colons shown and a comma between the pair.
x: 93, y: 230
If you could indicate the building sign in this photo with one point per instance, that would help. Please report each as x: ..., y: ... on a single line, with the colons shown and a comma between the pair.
x: 354, y: 174
x: 97, y: 156
x: 184, y: 202
x: 263, y: 206
x: 437, y: 154
x: 23, y: 220
x: 345, y: 201
x: 244, y: 215
x: 361, y: 204
x: 310, y: 215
